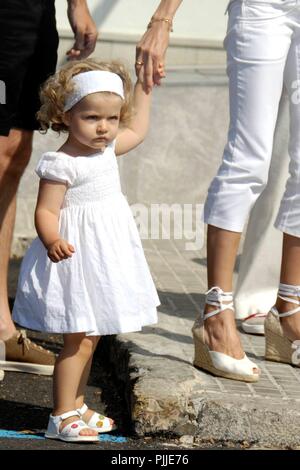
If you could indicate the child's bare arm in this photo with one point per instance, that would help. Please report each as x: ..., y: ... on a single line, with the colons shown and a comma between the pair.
x: 137, y: 129
x: 50, y: 199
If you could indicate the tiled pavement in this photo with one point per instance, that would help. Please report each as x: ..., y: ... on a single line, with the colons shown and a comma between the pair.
x: 161, y: 375
x: 180, y: 279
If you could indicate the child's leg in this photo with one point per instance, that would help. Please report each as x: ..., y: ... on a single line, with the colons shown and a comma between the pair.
x: 85, y: 375
x: 82, y: 385
x: 69, y: 368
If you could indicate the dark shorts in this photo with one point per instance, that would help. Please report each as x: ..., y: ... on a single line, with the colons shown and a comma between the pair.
x: 28, y: 56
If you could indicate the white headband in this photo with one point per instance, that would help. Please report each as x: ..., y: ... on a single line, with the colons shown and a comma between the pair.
x: 86, y: 83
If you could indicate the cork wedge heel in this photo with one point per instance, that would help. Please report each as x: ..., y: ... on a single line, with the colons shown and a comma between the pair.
x: 219, y: 364
x: 279, y: 348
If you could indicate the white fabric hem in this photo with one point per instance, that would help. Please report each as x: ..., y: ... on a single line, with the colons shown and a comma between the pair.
x: 256, y: 302
x: 223, y: 224
x: 282, y: 228
x: 132, y: 327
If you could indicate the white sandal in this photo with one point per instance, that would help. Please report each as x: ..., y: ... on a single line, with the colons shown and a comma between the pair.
x: 220, y: 364
x: 279, y: 348
x: 70, y: 433
x: 97, y: 421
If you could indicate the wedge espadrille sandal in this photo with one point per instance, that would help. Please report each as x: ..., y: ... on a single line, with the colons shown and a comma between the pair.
x: 279, y: 348
x: 219, y: 364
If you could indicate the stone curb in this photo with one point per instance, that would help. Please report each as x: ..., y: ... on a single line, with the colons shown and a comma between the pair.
x: 167, y: 397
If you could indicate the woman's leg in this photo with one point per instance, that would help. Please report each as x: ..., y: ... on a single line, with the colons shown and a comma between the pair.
x: 220, y: 330
x: 259, y: 269
x: 290, y: 274
x: 288, y: 219
x: 256, y: 61
x: 69, y: 369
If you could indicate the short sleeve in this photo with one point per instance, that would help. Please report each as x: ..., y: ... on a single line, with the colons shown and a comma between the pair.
x: 56, y: 167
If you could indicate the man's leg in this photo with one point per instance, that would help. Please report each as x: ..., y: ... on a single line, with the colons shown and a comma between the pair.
x: 20, y: 354
x: 15, y: 151
x: 27, y: 30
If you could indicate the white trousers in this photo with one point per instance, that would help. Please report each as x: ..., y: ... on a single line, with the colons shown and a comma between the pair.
x: 263, y: 54
x: 259, y: 269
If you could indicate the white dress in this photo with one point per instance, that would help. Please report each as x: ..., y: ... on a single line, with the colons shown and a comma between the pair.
x: 106, y: 287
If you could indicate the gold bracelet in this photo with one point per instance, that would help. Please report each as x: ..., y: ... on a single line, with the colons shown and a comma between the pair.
x: 166, y: 20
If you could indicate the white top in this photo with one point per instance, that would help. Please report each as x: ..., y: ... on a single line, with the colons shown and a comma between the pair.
x: 106, y: 287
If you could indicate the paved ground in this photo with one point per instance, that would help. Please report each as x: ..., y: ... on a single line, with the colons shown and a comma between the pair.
x: 25, y: 403
x: 163, y: 391
x: 155, y: 378
x: 168, y: 393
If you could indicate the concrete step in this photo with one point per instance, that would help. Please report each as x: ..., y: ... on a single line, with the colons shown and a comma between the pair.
x: 167, y: 394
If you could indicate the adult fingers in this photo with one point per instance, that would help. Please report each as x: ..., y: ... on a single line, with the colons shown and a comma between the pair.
x: 72, y: 54
x: 78, y: 46
x: 148, y: 72
x: 79, y: 40
x: 90, y: 41
x: 138, y: 60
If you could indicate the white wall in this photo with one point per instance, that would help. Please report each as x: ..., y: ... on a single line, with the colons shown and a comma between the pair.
x: 195, y: 19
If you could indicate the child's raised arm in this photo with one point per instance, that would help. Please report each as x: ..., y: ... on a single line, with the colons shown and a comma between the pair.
x: 50, y: 199
x: 132, y: 135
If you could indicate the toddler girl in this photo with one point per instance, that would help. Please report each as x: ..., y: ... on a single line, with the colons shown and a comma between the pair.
x: 86, y: 274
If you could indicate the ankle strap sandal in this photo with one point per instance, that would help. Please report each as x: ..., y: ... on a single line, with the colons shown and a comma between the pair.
x: 220, y: 364
x: 70, y: 432
x: 279, y: 348
x: 215, y: 297
x: 285, y: 292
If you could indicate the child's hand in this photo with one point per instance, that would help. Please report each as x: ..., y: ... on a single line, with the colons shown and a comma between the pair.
x: 59, y: 250
x: 160, y: 73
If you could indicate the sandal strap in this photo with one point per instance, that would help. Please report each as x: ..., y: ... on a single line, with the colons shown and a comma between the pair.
x: 68, y: 414
x: 73, y: 429
x: 229, y: 364
x: 289, y: 313
x: 83, y: 409
x: 284, y: 293
x: 215, y: 296
x: 97, y: 420
x: 255, y: 315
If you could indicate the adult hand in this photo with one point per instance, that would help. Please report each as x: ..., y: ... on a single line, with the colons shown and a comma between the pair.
x: 84, y: 28
x: 150, y: 54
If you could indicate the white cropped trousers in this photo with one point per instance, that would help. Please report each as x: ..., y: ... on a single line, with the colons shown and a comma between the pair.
x: 263, y: 55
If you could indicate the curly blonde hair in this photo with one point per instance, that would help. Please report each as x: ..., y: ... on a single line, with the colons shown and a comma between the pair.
x: 54, y: 91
